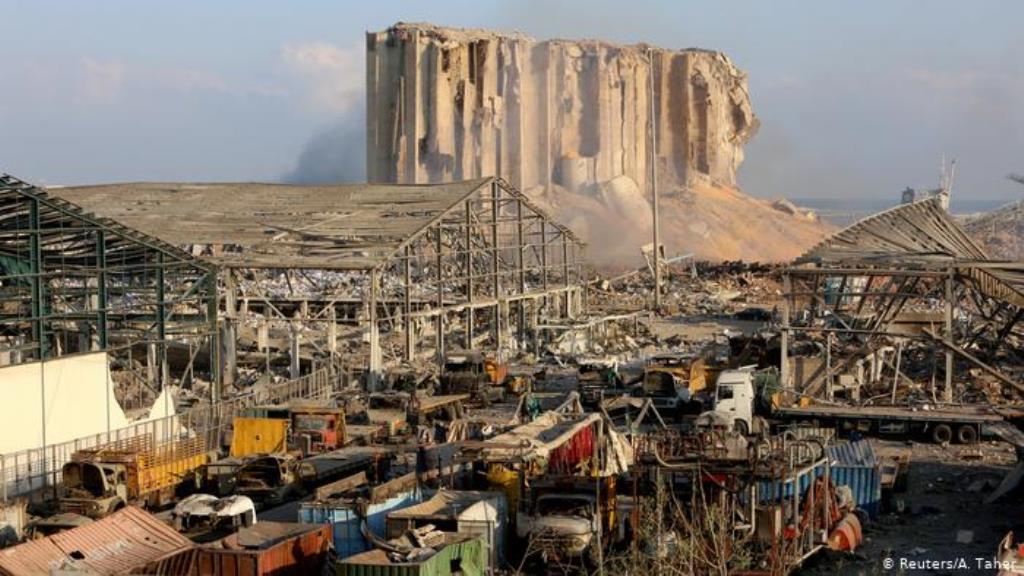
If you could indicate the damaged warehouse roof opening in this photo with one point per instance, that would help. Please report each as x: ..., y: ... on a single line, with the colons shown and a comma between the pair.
x: 251, y: 225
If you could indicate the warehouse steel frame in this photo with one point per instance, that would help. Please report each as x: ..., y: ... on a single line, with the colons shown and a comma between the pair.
x: 72, y: 282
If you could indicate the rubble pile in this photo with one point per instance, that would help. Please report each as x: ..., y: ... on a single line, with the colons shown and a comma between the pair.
x: 694, y: 288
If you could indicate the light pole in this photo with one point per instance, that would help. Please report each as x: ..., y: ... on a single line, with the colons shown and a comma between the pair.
x: 654, y: 186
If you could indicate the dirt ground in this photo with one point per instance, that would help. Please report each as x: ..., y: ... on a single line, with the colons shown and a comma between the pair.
x: 944, y: 498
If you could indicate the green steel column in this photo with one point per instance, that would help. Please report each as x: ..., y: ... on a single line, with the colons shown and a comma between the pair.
x: 101, y: 288
x: 36, y: 268
x: 211, y: 318
x: 161, y: 321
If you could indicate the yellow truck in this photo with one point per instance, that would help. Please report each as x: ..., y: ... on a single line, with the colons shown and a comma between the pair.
x: 137, y: 470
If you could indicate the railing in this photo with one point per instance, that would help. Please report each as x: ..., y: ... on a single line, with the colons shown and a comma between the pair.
x: 34, y: 473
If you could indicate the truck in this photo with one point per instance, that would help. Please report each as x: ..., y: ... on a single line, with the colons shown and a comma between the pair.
x: 677, y: 384
x: 567, y: 520
x: 740, y: 401
x: 470, y: 372
x: 137, y: 471
x: 311, y: 428
x: 597, y: 377
x: 270, y: 479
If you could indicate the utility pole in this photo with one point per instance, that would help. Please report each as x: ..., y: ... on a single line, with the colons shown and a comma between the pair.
x: 654, y: 188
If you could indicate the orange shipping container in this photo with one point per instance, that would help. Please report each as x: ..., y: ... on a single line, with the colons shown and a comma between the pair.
x: 281, y: 549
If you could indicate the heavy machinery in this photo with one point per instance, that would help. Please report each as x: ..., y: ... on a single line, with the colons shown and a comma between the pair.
x: 137, y: 471
x: 469, y: 372
x: 678, y: 384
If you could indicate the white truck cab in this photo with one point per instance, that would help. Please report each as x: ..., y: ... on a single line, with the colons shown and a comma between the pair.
x: 734, y: 399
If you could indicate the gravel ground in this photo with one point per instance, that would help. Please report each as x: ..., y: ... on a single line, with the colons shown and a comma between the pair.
x: 944, y: 499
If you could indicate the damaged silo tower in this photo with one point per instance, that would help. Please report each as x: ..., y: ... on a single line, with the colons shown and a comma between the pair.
x: 449, y: 104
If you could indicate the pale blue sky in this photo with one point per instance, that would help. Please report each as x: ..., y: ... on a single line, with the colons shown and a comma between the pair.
x: 856, y: 99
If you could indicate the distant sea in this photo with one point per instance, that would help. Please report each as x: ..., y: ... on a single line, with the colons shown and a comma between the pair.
x: 843, y: 211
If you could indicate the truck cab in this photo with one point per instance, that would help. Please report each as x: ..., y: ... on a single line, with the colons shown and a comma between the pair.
x: 597, y: 376
x: 561, y: 525
x: 469, y: 372
x: 318, y: 429
x: 94, y: 489
x: 734, y: 399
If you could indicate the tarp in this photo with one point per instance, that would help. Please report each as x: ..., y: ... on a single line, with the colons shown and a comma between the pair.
x: 537, y: 439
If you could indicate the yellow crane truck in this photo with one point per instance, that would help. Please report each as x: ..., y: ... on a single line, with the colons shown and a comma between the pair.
x: 136, y: 470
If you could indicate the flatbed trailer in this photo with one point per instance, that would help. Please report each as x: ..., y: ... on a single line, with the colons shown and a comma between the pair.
x: 963, y: 424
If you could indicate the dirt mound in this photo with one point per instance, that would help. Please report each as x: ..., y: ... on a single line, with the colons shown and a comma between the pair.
x: 1000, y: 232
x: 714, y: 223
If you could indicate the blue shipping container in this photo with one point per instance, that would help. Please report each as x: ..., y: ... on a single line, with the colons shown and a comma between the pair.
x: 853, y: 464
x: 346, y: 522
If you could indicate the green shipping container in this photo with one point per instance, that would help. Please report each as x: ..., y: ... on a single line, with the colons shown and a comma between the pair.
x: 466, y: 557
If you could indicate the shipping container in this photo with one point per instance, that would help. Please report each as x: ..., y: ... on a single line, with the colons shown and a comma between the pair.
x: 483, y: 514
x: 852, y: 464
x: 281, y: 549
x: 346, y: 514
x: 460, y: 556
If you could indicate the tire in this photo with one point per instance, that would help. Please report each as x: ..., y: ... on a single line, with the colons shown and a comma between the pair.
x: 942, y: 434
x: 966, y: 434
x: 741, y: 427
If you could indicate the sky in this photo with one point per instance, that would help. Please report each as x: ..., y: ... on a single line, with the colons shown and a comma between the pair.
x: 857, y: 99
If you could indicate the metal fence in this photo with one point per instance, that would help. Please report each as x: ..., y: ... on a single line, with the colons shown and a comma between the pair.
x: 36, y: 473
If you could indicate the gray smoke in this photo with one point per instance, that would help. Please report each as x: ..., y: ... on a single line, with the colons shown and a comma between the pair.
x: 335, y: 153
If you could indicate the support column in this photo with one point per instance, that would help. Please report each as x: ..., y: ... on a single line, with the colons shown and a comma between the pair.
x: 544, y: 259
x: 101, y: 289
x: 469, y: 276
x: 565, y: 276
x: 784, y: 378
x: 376, y: 362
x: 294, y: 348
x: 228, y: 331
x: 211, y: 320
x: 332, y: 332
x: 440, y: 299
x: 495, y: 274
x: 38, y: 282
x: 410, y: 338
x: 161, y: 320
x: 948, y: 393
x: 521, y: 269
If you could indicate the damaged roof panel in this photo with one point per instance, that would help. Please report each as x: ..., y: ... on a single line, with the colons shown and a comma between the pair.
x: 922, y: 231
x: 247, y: 225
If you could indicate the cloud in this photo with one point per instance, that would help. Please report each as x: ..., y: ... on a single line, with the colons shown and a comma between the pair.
x: 333, y: 75
x: 100, y: 81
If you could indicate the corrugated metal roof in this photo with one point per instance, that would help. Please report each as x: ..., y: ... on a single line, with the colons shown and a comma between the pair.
x: 127, y: 540
x: 859, y: 453
x: 922, y: 230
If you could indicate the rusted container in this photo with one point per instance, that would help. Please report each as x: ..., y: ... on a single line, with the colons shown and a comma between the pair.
x: 274, y: 548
